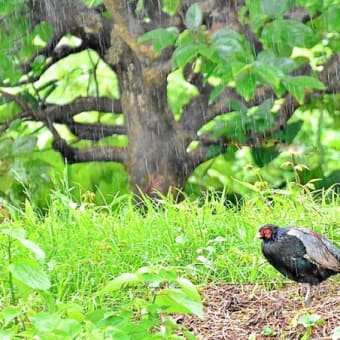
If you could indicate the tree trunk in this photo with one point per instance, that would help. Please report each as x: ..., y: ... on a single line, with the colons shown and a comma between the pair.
x: 157, y: 157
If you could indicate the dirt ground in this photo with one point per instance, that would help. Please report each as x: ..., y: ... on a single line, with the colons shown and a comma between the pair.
x: 246, y: 311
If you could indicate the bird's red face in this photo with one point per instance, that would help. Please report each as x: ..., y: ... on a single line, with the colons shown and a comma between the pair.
x: 265, y: 233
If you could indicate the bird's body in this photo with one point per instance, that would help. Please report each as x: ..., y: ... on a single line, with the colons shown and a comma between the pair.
x: 300, y: 254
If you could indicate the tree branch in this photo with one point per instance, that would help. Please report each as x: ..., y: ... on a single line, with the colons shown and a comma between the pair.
x: 95, y: 131
x: 64, y: 113
x: 69, y: 17
x: 99, y: 154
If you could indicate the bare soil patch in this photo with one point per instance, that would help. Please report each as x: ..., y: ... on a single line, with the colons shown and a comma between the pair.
x: 239, y: 311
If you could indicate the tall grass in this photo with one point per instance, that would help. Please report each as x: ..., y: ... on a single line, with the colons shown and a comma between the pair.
x: 86, y: 245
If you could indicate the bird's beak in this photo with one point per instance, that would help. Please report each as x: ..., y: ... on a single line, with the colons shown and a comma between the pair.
x: 258, y: 236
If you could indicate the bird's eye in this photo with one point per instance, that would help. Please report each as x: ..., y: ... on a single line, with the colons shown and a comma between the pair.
x: 267, y: 233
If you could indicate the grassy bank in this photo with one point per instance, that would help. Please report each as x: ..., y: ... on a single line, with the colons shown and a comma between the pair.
x: 87, y: 246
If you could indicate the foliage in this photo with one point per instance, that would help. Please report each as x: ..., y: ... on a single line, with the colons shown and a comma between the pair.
x: 163, y: 292
x: 224, y: 58
x: 97, y: 271
x: 309, y: 321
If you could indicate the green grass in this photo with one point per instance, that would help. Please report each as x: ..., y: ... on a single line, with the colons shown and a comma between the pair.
x: 87, y: 246
x: 78, y: 291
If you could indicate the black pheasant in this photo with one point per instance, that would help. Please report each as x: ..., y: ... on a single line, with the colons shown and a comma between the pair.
x: 300, y: 254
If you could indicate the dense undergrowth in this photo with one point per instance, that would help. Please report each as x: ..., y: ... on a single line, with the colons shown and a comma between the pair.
x: 83, y: 271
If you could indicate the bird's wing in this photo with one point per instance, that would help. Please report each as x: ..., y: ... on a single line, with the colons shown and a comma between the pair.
x: 318, y: 251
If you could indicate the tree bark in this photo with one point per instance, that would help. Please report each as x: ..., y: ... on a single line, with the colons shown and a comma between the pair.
x: 156, y: 156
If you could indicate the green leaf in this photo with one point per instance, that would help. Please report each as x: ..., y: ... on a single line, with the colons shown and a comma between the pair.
x: 335, y: 334
x: 45, y: 321
x: 283, y: 35
x: 42, y: 33
x: 8, y: 71
x: 161, y: 37
x: 226, y: 43
x: 121, y: 281
x: 215, y: 93
x: 176, y: 301
x: 189, y: 289
x: 269, y: 74
x: 306, y: 82
x: 238, y: 106
x: 297, y: 85
x: 288, y: 134
x: 32, y: 276
x: 310, y: 320
x: 232, y: 127
x: 70, y: 328
x: 246, y: 84
x: 16, y: 233
x: 184, y: 54
x: 268, y: 57
x: 23, y: 145
x: 331, y: 17
x: 193, y: 17
x: 171, y: 6
x: 247, y: 185
x: 263, y: 156
x: 213, y: 151
x: 34, y: 248
x: 264, y: 108
x: 10, y: 313
x: 275, y: 8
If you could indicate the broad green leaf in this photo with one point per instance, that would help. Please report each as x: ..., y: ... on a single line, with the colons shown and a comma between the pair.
x: 176, y: 301
x: 171, y: 6
x: 263, y: 156
x: 38, y: 64
x: 32, y: 276
x: 289, y: 132
x: 24, y: 145
x: 283, y: 35
x: 247, y: 185
x: 232, y: 127
x: 15, y: 124
x: 238, y: 106
x: 34, y: 248
x: 275, y: 8
x: 180, y: 91
x: 265, y: 107
x: 215, y: 93
x: 189, y: 288
x: 310, y: 320
x: 312, y: 5
x: 161, y: 37
x: 45, y: 321
x: 246, y: 84
x: 305, y: 81
x: 335, y: 334
x: 8, y: 70
x: 297, y: 85
x: 17, y: 233
x: 331, y: 17
x: 184, y: 54
x: 7, y: 335
x: 283, y: 64
x: 269, y: 74
x: 227, y: 42
x: 193, y: 17
x: 213, y: 151
x: 9, y: 313
x: 121, y: 281
x: 69, y: 328
x: 42, y: 33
